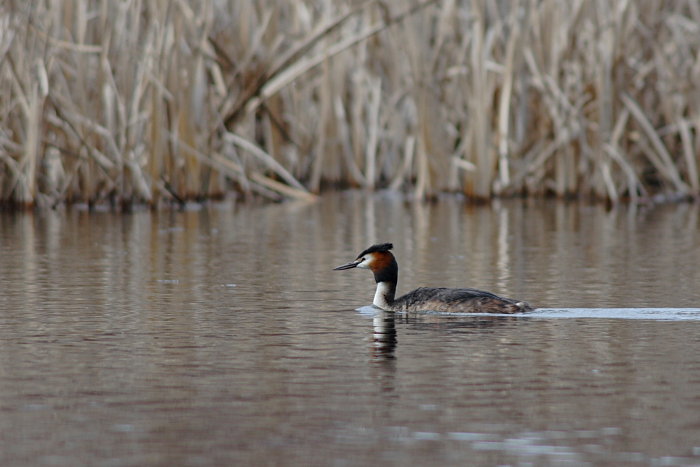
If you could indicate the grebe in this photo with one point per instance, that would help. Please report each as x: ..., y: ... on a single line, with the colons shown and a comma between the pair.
x: 382, y: 263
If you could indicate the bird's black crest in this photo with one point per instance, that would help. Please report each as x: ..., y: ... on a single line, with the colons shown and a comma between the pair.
x: 379, y: 247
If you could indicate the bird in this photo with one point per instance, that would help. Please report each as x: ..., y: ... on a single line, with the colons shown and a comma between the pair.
x: 379, y: 259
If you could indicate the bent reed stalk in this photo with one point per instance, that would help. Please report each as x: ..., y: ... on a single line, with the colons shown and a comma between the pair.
x: 139, y: 102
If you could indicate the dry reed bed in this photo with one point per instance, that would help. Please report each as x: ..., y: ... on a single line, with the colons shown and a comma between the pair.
x: 143, y: 101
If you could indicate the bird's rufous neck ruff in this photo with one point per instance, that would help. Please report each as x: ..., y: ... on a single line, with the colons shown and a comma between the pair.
x: 384, y: 267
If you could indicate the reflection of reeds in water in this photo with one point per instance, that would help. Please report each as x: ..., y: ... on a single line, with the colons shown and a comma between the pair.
x: 142, y: 101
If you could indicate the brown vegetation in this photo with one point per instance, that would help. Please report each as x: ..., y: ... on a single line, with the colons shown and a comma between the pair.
x: 142, y: 101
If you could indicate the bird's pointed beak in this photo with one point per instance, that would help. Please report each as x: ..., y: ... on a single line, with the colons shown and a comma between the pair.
x: 350, y: 265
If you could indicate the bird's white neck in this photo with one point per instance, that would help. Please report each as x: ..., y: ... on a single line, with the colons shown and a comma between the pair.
x: 384, y: 295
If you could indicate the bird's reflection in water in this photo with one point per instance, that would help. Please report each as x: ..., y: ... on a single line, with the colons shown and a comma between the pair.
x: 383, y: 336
x: 456, y: 323
x: 384, y: 339
x: 383, y: 347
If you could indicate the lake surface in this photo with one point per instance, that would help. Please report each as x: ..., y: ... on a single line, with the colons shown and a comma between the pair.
x: 221, y: 336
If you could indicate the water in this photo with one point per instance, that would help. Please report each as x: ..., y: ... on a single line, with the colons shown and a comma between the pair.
x: 221, y: 336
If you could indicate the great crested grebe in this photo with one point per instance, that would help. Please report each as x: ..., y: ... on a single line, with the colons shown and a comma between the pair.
x: 382, y: 263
